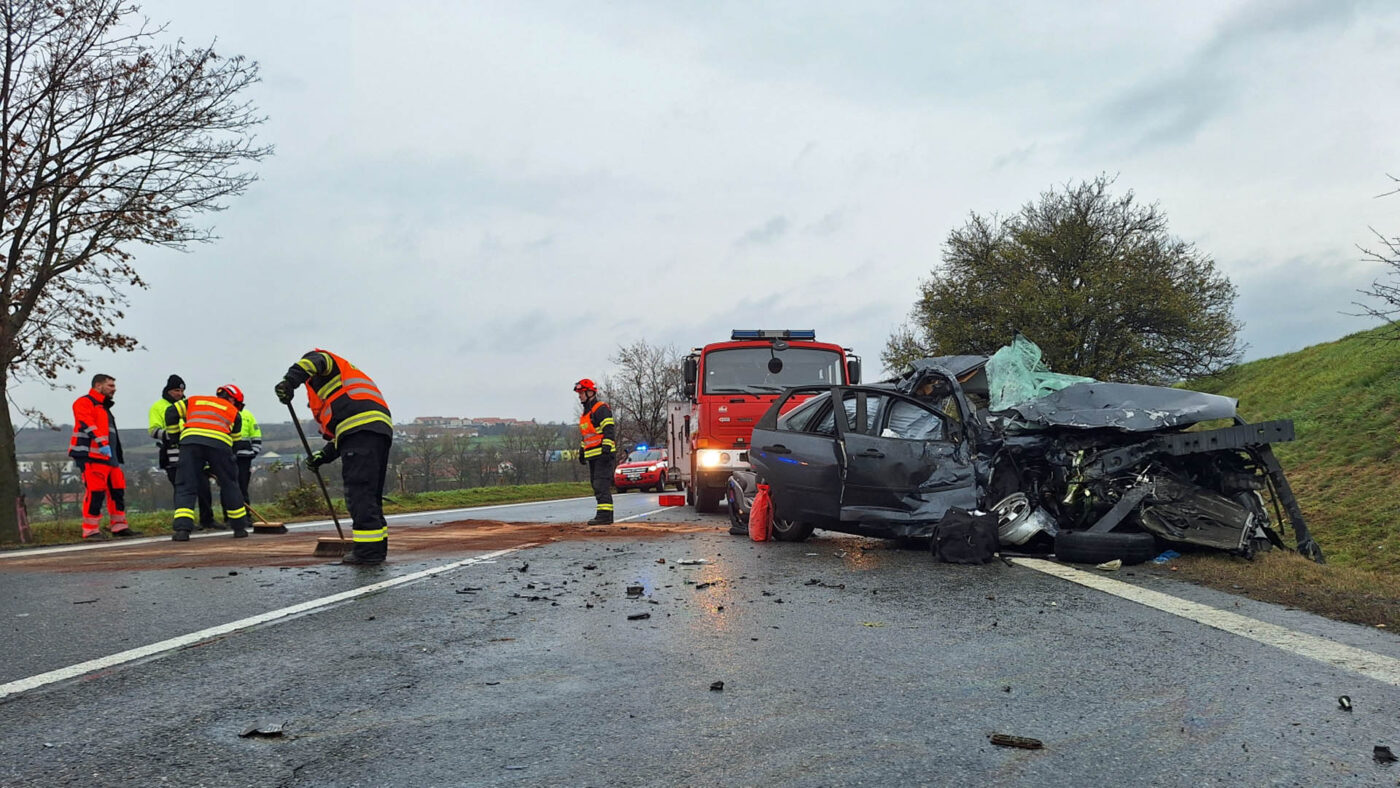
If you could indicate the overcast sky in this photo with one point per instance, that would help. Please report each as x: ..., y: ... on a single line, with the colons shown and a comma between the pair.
x: 479, y: 202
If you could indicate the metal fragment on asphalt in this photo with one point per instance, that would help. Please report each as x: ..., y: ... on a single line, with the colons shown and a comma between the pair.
x: 717, y: 686
x: 263, y: 730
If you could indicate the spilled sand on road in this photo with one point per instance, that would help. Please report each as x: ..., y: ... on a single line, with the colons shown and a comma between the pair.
x: 296, y: 548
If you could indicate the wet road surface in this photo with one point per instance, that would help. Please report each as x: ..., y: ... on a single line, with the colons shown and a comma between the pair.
x: 844, y: 661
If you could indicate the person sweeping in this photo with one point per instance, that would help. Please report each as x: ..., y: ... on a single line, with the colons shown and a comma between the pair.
x: 355, y: 421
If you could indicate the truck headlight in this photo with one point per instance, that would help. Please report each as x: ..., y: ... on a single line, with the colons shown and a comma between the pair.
x: 708, y: 458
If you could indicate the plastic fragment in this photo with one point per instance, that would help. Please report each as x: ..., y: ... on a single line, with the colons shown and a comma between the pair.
x: 1111, y: 566
x: 717, y: 686
x: 1382, y: 754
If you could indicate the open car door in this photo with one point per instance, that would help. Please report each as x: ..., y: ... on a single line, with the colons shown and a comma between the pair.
x: 904, y: 460
x: 794, y: 450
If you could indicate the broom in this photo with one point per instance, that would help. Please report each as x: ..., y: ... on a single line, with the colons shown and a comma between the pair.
x: 325, y: 547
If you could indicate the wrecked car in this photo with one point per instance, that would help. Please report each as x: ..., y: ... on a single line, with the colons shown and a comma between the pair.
x: 1089, y: 470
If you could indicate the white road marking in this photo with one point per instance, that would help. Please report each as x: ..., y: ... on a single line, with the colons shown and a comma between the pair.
x: 73, y: 548
x: 1371, y: 665
x: 643, y: 514
x: 183, y: 641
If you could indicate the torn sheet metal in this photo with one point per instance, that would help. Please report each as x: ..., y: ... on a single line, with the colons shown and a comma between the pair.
x: 1124, y: 406
x: 1188, y: 514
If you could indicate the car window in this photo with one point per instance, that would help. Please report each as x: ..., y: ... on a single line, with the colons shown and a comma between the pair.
x: 646, y: 455
x: 913, y: 422
x: 797, y: 419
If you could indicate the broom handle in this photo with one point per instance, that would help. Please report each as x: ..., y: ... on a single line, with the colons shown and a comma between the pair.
x: 330, y: 506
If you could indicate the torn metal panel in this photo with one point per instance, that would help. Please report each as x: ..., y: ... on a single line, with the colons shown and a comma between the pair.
x: 1123, y: 406
x: 1188, y: 514
x: 905, y: 480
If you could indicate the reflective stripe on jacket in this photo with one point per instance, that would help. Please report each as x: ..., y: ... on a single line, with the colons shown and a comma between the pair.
x: 209, y: 418
x: 343, y: 398
x: 598, y: 430
x: 249, y: 441
x: 93, y: 430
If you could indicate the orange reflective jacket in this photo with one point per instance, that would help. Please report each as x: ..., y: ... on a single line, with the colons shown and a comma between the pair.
x: 346, y: 399
x: 208, y: 417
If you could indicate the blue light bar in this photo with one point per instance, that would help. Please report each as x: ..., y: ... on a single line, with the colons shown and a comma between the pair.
x: 642, y: 447
x: 786, y: 333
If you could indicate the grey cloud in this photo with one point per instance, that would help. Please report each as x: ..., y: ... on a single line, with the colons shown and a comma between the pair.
x: 1173, y: 108
x: 1013, y: 158
x: 767, y: 233
x: 829, y: 224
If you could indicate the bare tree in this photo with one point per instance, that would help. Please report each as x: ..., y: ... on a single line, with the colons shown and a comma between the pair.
x: 109, y: 140
x: 649, y: 376
x: 1385, y: 294
x: 427, y: 454
x: 461, y: 459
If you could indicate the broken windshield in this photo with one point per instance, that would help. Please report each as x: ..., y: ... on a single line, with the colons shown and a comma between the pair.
x: 747, y: 370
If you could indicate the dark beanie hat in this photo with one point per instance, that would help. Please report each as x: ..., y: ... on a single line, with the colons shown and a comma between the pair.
x: 174, y: 382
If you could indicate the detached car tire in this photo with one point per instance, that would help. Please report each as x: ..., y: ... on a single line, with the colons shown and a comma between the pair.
x: 1082, y: 547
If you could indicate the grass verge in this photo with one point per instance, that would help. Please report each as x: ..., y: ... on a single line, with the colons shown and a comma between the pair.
x: 1342, y: 593
x: 55, y: 532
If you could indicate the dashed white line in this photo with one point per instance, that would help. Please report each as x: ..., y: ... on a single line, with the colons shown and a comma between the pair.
x: 183, y: 641
x: 1369, y: 664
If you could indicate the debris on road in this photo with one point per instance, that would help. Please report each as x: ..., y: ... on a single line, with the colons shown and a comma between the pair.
x: 1344, y: 703
x: 263, y: 730
x: 691, y: 561
x: 638, y: 616
x: 1111, y: 566
x: 717, y: 686
x: 1383, y: 755
x: 85, y: 601
x: 1006, y: 740
x: 634, y: 591
x: 469, y: 589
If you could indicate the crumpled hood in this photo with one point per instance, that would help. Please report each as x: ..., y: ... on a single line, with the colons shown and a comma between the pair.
x: 1124, y: 406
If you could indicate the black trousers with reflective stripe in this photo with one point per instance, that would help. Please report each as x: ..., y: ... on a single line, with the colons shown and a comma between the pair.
x: 364, y: 460
x: 600, y: 475
x: 203, y: 495
x: 193, y: 458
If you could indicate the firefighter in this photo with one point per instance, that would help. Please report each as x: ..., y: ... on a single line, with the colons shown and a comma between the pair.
x: 355, y: 421
x: 96, y: 448
x: 169, y: 448
x: 597, y: 447
x: 247, y: 444
x: 205, y: 427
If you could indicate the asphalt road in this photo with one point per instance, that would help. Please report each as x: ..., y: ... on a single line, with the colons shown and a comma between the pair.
x: 844, y: 661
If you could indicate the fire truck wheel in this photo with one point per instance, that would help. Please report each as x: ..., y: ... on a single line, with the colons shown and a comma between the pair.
x: 689, y: 496
x: 707, y: 500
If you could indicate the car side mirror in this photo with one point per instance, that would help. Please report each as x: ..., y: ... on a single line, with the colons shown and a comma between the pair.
x: 689, y: 370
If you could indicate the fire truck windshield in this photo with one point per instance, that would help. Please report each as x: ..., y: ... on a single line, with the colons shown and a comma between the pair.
x: 745, y: 370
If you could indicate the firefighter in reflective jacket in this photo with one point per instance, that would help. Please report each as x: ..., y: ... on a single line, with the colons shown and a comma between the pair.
x: 97, y: 449
x: 205, y: 427
x: 597, y: 447
x: 355, y: 421
x: 168, y: 458
x: 247, y: 444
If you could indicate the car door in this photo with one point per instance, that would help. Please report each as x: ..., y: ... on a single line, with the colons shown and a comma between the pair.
x: 904, y: 460
x: 796, y: 456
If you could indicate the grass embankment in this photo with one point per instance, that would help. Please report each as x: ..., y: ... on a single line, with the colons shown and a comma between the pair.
x: 1344, y: 467
x: 157, y: 523
x: 1344, y: 399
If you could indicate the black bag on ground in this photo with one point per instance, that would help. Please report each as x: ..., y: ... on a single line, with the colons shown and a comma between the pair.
x: 962, y: 537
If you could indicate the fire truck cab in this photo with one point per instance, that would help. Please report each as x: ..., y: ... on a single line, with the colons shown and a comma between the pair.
x: 728, y: 387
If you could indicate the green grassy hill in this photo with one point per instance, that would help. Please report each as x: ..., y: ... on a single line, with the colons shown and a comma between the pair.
x: 1344, y: 399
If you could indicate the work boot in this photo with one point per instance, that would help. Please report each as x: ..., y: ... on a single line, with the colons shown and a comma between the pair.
x: 736, y: 529
x: 239, y: 532
x: 602, y: 518
x: 358, y: 560
x: 95, y: 536
x: 180, y: 536
x: 126, y: 532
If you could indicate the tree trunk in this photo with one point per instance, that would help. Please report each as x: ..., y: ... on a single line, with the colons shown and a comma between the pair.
x: 9, y: 469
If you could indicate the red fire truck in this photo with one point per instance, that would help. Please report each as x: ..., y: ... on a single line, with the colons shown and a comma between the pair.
x: 728, y: 386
